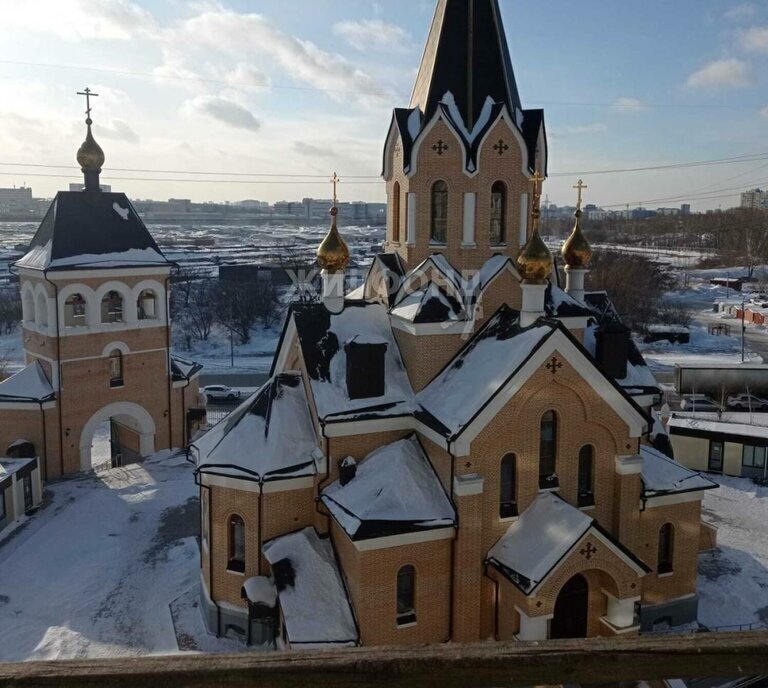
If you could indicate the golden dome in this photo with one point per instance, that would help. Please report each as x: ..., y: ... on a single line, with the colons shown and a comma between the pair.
x: 89, y: 155
x: 535, y: 260
x: 333, y: 253
x: 576, y: 250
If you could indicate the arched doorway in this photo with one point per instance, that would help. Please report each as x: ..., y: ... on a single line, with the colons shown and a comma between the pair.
x: 122, y: 423
x: 571, y: 610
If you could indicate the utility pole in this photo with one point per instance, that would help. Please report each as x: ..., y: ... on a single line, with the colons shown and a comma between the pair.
x: 743, y: 325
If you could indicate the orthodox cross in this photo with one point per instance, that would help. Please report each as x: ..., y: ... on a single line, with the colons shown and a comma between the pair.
x: 580, y: 186
x: 536, y: 180
x: 335, y: 181
x: 501, y: 147
x: 588, y: 551
x: 440, y: 147
x: 554, y: 365
x: 88, y: 95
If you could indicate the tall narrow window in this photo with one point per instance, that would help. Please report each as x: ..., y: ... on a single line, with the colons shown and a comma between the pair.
x: 116, y: 368
x: 236, y: 559
x: 112, y: 307
x: 586, y: 476
x: 74, y: 311
x: 498, y: 214
x: 666, y: 548
x: 146, y: 306
x: 508, y: 487
x: 439, y: 228
x: 406, y: 594
x: 548, y: 451
x: 396, y: 212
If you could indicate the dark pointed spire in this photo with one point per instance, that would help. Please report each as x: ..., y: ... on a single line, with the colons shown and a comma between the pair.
x: 466, y: 54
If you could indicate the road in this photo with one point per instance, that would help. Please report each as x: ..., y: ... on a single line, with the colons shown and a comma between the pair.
x: 233, y: 379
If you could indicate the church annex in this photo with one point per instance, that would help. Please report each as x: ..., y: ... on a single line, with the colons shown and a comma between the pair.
x: 459, y: 449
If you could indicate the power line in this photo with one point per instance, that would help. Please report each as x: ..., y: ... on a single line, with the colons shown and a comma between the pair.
x: 186, y: 181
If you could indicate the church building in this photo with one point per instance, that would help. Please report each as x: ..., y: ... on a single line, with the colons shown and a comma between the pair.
x: 459, y: 449
x: 96, y: 334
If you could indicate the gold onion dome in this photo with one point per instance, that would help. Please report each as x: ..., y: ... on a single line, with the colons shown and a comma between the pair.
x: 576, y: 250
x: 535, y: 260
x: 89, y: 155
x: 333, y: 252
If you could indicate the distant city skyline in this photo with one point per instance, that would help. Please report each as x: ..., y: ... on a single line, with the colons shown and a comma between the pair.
x: 217, y: 88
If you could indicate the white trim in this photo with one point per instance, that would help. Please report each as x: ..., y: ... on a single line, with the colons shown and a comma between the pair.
x: 26, y: 406
x: 271, y: 487
x: 85, y: 273
x: 410, y: 219
x: 427, y: 329
x: 619, y: 631
x: 288, y: 340
x: 229, y: 483
x: 425, y: 131
x: 288, y: 485
x: 468, y: 485
x: 122, y: 347
x: 516, y: 133
x: 145, y: 423
x: 669, y: 499
x: 93, y: 358
x: 668, y: 574
x: 470, y: 213
x: 645, y: 400
x: 404, y: 539
x: 556, y: 342
x: 388, y: 171
x: 629, y: 465
x: 522, y: 236
x: 364, y: 427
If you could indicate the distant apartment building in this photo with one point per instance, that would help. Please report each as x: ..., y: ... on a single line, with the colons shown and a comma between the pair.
x: 106, y: 188
x: 16, y: 200
x: 755, y: 198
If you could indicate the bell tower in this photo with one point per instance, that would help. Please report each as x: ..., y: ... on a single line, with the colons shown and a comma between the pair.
x: 459, y: 159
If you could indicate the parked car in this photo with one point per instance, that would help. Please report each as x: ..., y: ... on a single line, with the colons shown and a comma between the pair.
x: 220, y: 393
x: 746, y: 402
x: 698, y: 402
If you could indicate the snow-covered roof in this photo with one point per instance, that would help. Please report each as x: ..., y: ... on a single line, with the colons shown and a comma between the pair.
x: 395, y: 490
x: 384, y: 278
x: 315, y: 605
x: 269, y: 437
x: 30, y: 384
x: 323, y: 336
x: 429, y: 305
x: 182, y: 369
x: 663, y: 475
x: 92, y: 230
x: 532, y: 546
x: 260, y: 590
x: 10, y: 466
x: 708, y: 423
x: 558, y: 303
x: 480, y: 370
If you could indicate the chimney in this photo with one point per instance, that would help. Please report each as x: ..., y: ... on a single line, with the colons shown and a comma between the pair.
x: 347, y: 471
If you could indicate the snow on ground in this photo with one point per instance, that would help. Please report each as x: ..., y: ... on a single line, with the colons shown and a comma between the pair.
x: 733, y: 580
x: 93, y: 573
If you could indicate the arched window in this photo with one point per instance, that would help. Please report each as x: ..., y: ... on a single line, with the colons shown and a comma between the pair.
x: 116, y: 368
x: 548, y: 451
x: 406, y: 595
x: 28, y: 306
x: 147, y: 305
x: 236, y: 558
x: 439, y: 228
x: 112, y: 307
x: 666, y: 549
x: 586, y: 495
x: 396, y: 212
x: 41, y: 310
x: 508, y: 487
x: 74, y: 311
x: 498, y: 234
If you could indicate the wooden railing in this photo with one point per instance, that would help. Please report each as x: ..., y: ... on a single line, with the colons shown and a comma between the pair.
x: 482, y: 665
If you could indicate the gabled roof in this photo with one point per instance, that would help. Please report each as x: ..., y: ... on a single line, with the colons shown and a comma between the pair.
x: 467, y: 55
x: 386, y: 268
x: 663, y: 475
x: 322, y: 337
x: 500, y: 357
x: 181, y: 369
x: 314, y: 602
x: 559, y: 304
x: 30, y: 384
x: 429, y: 305
x: 546, y: 532
x: 91, y: 229
x: 394, y: 491
x: 269, y: 437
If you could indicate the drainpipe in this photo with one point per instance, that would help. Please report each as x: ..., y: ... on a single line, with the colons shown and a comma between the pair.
x: 260, y: 529
x: 168, y: 359
x: 60, y: 376
x: 45, y: 442
x: 495, y: 603
x: 451, y: 587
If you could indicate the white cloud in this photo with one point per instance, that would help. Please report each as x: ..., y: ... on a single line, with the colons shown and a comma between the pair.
x: 372, y: 33
x: 594, y: 128
x: 743, y: 11
x: 629, y: 105
x: 755, y: 39
x: 721, y: 73
x: 312, y: 151
x: 248, y: 75
x: 223, y: 110
x: 79, y: 20
x: 117, y: 130
x: 764, y: 113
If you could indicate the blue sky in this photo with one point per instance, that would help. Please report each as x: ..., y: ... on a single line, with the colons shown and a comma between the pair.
x: 229, y: 87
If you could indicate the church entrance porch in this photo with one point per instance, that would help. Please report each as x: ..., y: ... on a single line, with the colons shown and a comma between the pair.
x: 571, y: 610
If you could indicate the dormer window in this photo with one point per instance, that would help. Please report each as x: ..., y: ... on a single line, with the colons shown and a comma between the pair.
x: 365, y: 369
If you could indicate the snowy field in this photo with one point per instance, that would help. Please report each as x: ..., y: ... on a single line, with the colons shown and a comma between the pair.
x: 109, y: 567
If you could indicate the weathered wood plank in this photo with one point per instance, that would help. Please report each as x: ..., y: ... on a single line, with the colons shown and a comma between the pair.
x: 437, y: 666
